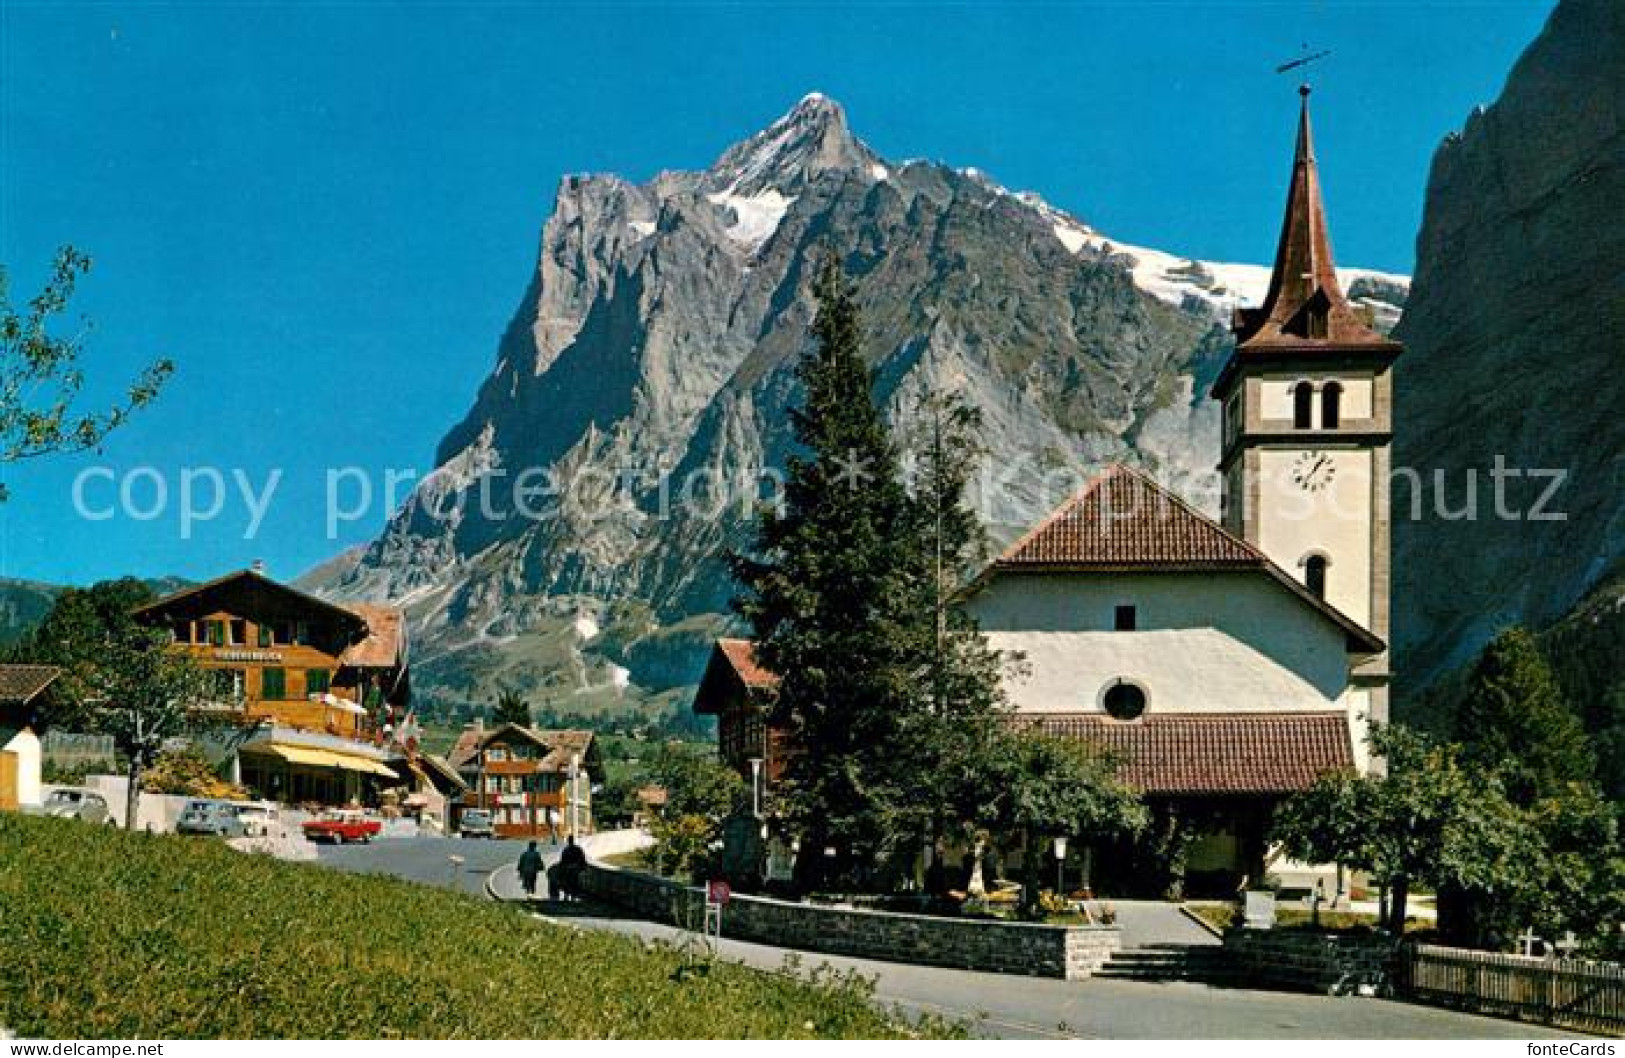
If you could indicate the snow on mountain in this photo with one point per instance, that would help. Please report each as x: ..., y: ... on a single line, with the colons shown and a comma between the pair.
x: 756, y: 217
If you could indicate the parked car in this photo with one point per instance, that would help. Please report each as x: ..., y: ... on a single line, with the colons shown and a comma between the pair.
x: 476, y: 823
x: 211, y: 818
x: 342, y: 825
x: 259, y: 818
x: 78, y: 804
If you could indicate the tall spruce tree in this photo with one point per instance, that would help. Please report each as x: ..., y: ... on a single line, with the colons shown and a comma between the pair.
x: 1513, y: 720
x: 828, y: 596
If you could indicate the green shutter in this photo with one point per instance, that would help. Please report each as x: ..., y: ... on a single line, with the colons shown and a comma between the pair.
x: 217, y: 633
x: 273, y: 684
x: 316, y: 681
x: 265, y: 635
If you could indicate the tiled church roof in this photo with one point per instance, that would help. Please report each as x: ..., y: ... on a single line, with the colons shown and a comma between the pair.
x: 1219, y: 753
x: 1122, y: 518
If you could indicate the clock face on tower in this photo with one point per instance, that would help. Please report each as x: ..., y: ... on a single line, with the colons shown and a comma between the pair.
x: 1313, y: 470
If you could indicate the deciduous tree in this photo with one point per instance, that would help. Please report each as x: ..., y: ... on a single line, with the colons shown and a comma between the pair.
x: 1431, y: 819
x: 1041, y: 787
x: 40, y: 376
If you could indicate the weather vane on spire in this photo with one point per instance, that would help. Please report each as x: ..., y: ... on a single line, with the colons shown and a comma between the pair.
x: 1303, y: 60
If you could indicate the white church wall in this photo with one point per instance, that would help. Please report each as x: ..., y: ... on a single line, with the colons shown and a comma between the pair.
x: 1335, y: 522
x: 1357, y: 702
x: 1205, y: 642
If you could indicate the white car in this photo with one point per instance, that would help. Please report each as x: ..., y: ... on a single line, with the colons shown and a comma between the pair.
x: 259, y: 819
x: 71, y: 803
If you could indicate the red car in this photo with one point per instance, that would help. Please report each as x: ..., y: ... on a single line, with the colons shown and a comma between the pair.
x: 342, y: 826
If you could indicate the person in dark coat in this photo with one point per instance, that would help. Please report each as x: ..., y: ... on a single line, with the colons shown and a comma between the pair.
x: 530, y: 865
x: 572, y: 863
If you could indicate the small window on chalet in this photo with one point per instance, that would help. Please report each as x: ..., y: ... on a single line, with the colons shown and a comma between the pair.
x: 1126, y: 619
x: 237, y: 632
x: 274, y: 685
x: 1303, y: 406
x: 301, y: 633
x: 1124, y: 701
x: 1331, y: 405
x: 1314, y: 574
x: 496, y: 753
x: 317, y: 681
x: 181, y: 631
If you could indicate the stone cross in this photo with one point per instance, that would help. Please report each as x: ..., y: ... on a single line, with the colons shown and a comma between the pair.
x: 1569, y: 942
x: 1529, y: 940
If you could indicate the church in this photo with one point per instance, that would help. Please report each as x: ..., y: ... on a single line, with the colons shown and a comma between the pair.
x: 1225, y: 664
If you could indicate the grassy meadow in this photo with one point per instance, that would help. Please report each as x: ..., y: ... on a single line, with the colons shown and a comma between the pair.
x: 105, y: 934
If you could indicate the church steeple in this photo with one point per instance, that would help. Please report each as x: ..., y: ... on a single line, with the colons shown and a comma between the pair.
x: 1304, y: 304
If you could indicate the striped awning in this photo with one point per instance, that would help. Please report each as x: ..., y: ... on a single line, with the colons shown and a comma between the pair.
x: 322, y: 758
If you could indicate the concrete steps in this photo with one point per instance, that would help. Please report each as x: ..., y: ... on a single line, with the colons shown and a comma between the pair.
x: 1205, y: 963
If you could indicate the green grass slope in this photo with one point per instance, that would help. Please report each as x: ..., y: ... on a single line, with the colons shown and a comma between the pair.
x: 105, y: 934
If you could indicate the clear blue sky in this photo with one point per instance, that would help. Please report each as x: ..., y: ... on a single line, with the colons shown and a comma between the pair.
x: 326, y: 213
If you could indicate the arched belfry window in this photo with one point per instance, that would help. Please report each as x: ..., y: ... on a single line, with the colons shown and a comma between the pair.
x: 1331, y: 405
x: 1314, y: 574
x: 1303, y: 406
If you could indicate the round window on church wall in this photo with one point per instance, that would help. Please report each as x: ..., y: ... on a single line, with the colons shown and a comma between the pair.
x: 1124, y: 701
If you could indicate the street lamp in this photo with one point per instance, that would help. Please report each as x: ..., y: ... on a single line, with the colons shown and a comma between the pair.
x: 1060, y: 866
x: 756, y: 787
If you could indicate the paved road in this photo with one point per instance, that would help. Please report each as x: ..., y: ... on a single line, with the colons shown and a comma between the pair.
x: 1040, y: 1008
x: 1004, y: 1006
x: 427, y: 859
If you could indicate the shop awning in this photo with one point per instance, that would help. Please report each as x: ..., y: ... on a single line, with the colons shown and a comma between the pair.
x: 323, y: 758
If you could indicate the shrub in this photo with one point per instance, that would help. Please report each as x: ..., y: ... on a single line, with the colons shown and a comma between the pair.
x: 188, y: 773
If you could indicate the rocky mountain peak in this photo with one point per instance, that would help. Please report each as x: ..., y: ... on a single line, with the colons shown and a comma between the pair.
x: 649, y: 369
x: 811, y: 139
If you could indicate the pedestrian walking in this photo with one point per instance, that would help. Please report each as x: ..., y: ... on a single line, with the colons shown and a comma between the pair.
x: 530, y: 865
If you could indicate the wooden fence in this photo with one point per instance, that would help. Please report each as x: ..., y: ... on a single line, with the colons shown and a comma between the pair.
x: 1570, y: 993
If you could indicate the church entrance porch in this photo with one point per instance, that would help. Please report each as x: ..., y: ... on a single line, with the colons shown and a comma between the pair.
x: 1195, y: 847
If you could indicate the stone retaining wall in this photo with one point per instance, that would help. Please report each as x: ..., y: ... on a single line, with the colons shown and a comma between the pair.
x: 1070, y: 952
x: 1314, y: 962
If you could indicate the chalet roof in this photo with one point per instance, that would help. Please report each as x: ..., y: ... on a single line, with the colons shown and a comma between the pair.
x: 442, y: 768
x: 468, y: 743
x: 21, y: 684
x: 1218, y: 753
x: 385, y: 642
x: 560, y: 746
x: 741, y: 654
x: 259, y: 580
x: 1122, y: 521
x: 1304, y: 280
x: 732, y: 668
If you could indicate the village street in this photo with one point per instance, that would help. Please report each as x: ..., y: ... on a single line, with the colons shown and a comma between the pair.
x: 428, y: 859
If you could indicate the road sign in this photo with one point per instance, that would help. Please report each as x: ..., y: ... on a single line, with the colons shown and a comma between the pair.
x: 718, y: 892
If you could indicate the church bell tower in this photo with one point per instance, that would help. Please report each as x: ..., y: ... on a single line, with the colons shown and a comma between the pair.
x: 1307, y: 401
